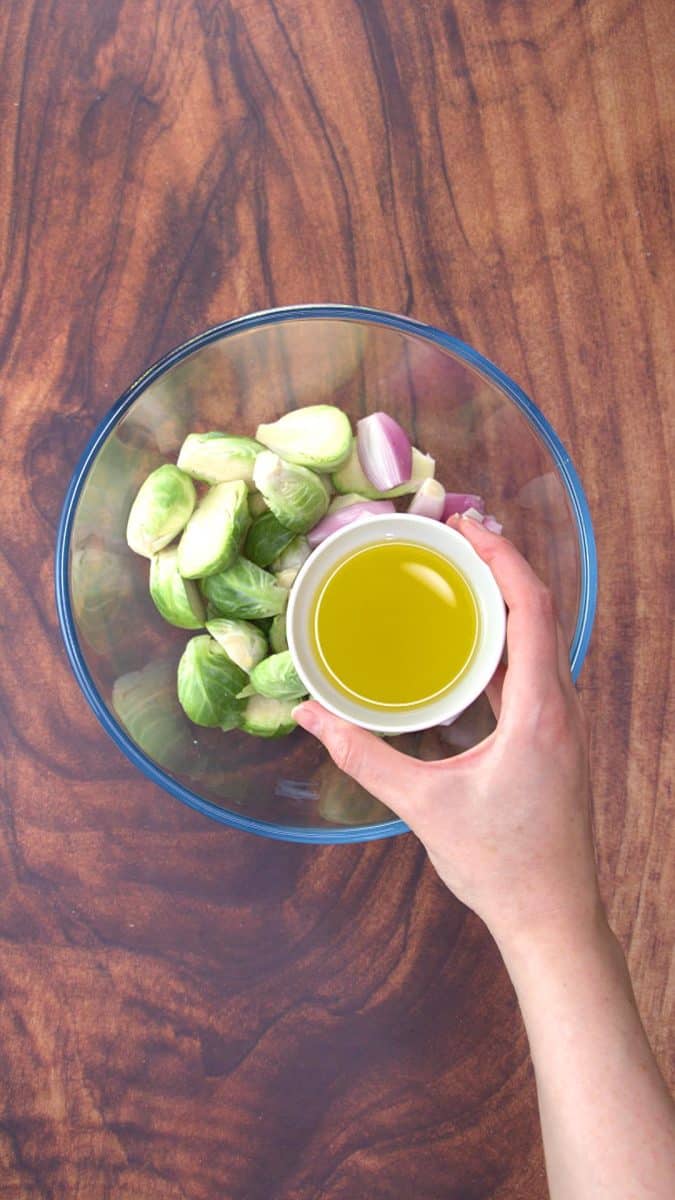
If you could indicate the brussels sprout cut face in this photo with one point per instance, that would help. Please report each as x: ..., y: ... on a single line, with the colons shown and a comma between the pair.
x: 161, y: 510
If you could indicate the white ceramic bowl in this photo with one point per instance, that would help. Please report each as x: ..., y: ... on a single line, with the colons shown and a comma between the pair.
x: 398, y: 527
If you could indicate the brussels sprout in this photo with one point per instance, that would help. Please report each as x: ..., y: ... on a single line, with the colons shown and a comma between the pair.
x: 277, y: 677
x: 265, y: 717
x: 244, y: 590
x: 345, y: 501
x: 351, y: 477
x: 296, y: 553
x: 178, y: 600
x: 145, y: 703
x: 103, y: 585
x: 208, y: 681
x: 214, y: 533
x: 257, y: 505
x: 287, y: 578
x: 231, y: 715
x: 296, y: 496
x: 266, y: 539
x: 318, y: 436
x: 244, y: 694
x: 244, y: 643
x: 218, y: 457
x: 278, y: 640
x: 162, y: 508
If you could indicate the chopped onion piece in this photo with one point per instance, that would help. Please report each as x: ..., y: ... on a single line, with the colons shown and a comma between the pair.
x: 345, y: 516
x: 457, y: 503
x: 428, y: 500
x: 384, y: 451
x: 492, y: 524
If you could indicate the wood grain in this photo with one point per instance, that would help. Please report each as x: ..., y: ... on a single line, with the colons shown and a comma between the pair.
x: 189, y: 1013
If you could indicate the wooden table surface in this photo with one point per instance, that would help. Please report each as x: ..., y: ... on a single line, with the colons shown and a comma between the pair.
x: 190, y: 1012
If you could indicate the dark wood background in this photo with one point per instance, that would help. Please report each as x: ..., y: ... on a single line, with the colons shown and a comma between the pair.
x: 188, y: 1013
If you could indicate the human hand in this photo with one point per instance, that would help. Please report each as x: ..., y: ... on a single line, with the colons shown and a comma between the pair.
x: 506, y: 824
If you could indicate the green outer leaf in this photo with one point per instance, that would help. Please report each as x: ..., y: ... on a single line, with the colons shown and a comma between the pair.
x: 277, y: 677
x: 214, y: 533
x: 277, y: 634
x: 351, y: 477
x: 176, y: 599
x: 318, y: 436
x: 218, y: 457
x: 266, y: 539
x: 208, y: 681
x: 243, y: 641
x: 297, y: 497
x: 244, y: 590
x: 265, y: 717
x: 162, y: 508
x: 345, y: 501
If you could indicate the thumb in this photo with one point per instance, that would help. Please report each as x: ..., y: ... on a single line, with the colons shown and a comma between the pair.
x: 390, y: 776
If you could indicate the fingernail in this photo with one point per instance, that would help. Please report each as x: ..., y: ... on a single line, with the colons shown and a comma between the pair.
x: 306, y: 716
x: 472, y: 520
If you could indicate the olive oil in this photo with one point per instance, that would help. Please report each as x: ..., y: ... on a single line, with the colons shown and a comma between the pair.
x: 394, y: 625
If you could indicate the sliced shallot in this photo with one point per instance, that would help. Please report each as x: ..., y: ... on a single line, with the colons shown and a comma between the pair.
x: 384, y: 450
x: 428, y: 500
x: 346, y: 516
x: 457, y: 503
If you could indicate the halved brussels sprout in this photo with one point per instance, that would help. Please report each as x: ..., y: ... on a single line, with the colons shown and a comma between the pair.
x: 257, y: 505
x: 351, y: 477
x: 244, y: 642
x: 266, y: 539
x: 208, y: 681
x: 214, y: 533
x: 218, y: 457
x: 296, y: 553
x: 318, y: 436
x: 244, y: 590
x: 297, y: 497
x: 162, y: 509
x: 177, y: 599
x: 277, y: 677
x: 277, y: 635
x: 264, y: 716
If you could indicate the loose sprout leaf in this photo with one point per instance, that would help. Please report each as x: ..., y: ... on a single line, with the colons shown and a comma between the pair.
x: 244, y: 590
x: 161, y: 510
x: 177, y: 599
x: 213, y: 535
x: 318, y: 436
x: 218, y: 457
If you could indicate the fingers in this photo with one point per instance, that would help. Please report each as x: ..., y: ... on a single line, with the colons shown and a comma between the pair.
x: 392, y: 777
x: 531, y: 631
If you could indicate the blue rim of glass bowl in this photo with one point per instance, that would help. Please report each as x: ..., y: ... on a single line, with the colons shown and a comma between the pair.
x: 580, y: 509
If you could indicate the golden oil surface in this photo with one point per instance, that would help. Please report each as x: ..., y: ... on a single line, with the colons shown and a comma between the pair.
x: 394, y: 625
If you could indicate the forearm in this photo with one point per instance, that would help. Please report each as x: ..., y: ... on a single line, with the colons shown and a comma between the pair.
x: 608, y: 1123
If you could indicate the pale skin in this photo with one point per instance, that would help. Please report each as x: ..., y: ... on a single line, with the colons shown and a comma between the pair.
x: 507, y: 827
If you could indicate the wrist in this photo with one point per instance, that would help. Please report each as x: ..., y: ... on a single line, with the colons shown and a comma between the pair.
x: 552, y: 939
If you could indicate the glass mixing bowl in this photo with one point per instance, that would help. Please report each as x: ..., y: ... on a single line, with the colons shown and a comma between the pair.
x: 486, y: 436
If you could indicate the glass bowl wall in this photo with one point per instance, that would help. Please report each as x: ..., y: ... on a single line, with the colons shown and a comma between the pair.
x: 486, y: 437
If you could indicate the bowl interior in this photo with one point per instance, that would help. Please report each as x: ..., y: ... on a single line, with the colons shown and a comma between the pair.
x: 455, y: 406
